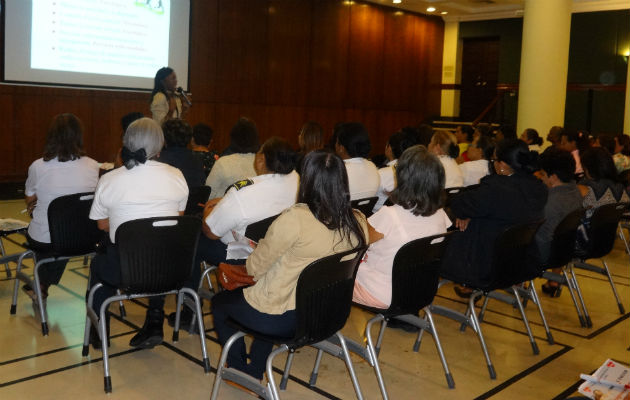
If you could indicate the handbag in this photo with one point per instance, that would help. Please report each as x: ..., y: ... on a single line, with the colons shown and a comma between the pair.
x: 234, y: 276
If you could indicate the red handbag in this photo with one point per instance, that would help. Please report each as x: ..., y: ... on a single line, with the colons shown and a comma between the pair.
x: 234, y: 276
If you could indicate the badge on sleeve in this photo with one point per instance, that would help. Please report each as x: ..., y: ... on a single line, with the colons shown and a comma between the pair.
x: 238, y: 185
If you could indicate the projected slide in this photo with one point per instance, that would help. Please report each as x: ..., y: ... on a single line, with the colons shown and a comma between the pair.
x: 113, y: 37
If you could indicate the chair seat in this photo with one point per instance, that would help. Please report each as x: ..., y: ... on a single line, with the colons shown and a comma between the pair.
x: 375, y: 310
x: 289, y: 341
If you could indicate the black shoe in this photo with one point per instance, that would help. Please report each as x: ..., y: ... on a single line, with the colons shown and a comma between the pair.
x: 185, y: 320
x: 552, y: 290
x: 152, y: 333
x: 95, y: 341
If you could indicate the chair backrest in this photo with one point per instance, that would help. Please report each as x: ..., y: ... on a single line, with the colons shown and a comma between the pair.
x: 602, y: 231
x: 562, y: 246
x: 416, y: 273
x: 364, y: 205
x: 513, y: 260
x: 197, y: 195
x: 72, y: 232
x: 156, y: 254
x: 324, y: 296
x: 258, y: 230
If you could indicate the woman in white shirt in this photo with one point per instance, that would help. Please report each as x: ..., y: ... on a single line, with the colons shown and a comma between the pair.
x: 142, y: 188
x: 417, y: 212
x: 165, y: 102
x: 444, y: 146
x: 353, y: 146
x: 62, y: 170
x: 480, y: 152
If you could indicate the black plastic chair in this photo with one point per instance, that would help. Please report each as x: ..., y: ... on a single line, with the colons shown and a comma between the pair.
x: 562, y: 253
x: 197, y: 195
x: 602, y: 234
x: 415, y: 276
x: 72, y: 234
x: 323, y: 302
x: 258, y: 230
x: 365, y: 205
x: 511, y: 265
x: 156, y: 259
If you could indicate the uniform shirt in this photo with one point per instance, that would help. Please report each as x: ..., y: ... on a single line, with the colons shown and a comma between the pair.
x: 229, y: 169
x: 363, y: 178
x: 294, y: 240
x: 387, y: 184
x: 398, y: 226
x: 252, y: 200
x: 152, y: 189
x: 452, y: 172
x: 51, y: 179
x: 159, y: 108
x: 473, y: 171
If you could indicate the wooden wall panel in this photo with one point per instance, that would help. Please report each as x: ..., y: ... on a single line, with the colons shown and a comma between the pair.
x: 278, y: 62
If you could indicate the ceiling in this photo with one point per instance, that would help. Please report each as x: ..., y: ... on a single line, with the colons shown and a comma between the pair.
x: 472, y: 10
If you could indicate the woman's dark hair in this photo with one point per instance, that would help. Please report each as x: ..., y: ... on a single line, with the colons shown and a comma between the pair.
x: 324, y: 188
x: 580, y: 138
x: 532, y: 136
x: 127, y: 119
x: 425, y: 134
x: 312, y: 136
x: 202, y: 134
x: 279, y: 156
x: 486, y: 144
x: 354, y: 138
x: 64, y: 139
x: 244, y: 137
x: 177, y: 133
x: 468, y: 131
x: 158, y: 84
x: 624, y: 141
x: 599, y: 164
x: 559, y: 162
x: 607, y: 142
x: 396, y: 143
x: 515, y: 153
x: 420, y: 181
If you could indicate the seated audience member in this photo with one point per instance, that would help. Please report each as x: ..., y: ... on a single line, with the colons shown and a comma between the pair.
x: 270, y: 192
x: 464, y: 135
x: 504, y: 131
x: 143, y: 188
x: 395, y: 146
x: 444, y: 146
x: 177, y: 135
x: 64, y: 169
x: 239, y: 164
x: 511, y: 196
x: 353, y: 146
x: 533, y: 140
x: 482, y: 129
x: 425, y: 133
x: 555, y: 135
x: 322, y: 223
x: 569, y: 141
x: 417, y: 212
x: 200, y: 145
x: 480, y: 152
x: 621, y: 154
x: 311, y: 137
x: 557, y: 167
x: 599, y: 187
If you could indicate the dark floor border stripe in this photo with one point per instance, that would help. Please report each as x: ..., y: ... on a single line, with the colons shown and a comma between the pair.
x: 54, y: 371
x: 608, y: 326
x: 523, y: 374
x: 597, y: 278
x: 45, y: 353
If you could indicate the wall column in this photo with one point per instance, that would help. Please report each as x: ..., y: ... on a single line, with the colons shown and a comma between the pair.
x: 451, y: 70
x: 626, y: 112
x: 544, y: 64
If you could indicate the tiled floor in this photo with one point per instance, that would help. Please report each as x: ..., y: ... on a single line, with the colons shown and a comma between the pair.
x: 33, y: 366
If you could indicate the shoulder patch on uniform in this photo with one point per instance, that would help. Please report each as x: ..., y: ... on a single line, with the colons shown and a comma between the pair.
x: 238, y: 185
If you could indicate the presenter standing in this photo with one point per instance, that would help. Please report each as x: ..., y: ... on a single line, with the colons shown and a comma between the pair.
x: 166, y: 98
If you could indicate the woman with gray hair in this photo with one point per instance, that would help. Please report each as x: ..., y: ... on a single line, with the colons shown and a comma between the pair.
x: 141, y: 188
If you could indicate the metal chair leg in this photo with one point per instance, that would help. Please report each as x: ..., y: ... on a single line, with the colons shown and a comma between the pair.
x: 6, y: 265
x: 571, y: 287
x: 587, y: 317
x: 534, y: 295
x: 449, y: 377
x: 287, y: 369
x: 40, y: 300
x: 353, y: 376
x: 202, y: 336
x: 107, y: 379
x: 525, y: 321
x: 222, y: 360
x: 18, y: 274
x: 373, y: 353
x: 474, y: 322
x: 318, y: 359
x: 271, y: 383
x: 614, y: 288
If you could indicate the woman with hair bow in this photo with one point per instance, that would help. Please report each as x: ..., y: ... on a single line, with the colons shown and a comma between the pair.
x: 141, y: 188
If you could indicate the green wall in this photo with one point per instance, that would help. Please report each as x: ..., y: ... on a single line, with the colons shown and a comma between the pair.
x: 597, y: 41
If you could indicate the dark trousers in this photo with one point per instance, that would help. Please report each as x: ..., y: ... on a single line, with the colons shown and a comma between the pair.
x: 211, y: 251
x: 49, y: 273
x: 232, y: 305
x: 105, y: 269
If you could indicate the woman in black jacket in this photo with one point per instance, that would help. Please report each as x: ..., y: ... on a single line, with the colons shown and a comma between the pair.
x: 510, y: 196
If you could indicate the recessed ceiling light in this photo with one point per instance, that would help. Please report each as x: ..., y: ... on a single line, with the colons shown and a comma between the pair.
x: 396, y: 1
x: 444, y: 12
x: 430, y: 9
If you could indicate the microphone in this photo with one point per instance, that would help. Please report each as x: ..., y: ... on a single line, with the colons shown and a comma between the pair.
x: 183, y: 95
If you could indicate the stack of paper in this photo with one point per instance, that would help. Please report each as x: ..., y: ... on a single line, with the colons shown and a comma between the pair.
x: 611, y: 381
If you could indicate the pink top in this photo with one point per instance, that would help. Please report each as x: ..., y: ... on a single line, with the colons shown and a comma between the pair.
x: 398, y: 226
